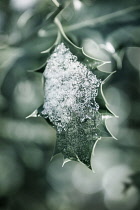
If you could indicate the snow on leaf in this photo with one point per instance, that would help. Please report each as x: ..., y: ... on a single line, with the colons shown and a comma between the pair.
x: 73, y: 99
x: 70, y: 104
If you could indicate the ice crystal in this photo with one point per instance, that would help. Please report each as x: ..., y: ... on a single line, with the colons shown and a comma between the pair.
x: 70, y: 90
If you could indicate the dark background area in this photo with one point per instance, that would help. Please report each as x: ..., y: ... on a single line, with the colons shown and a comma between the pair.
x: 28, y: 179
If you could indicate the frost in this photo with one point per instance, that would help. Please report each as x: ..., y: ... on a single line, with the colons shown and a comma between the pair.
x: 70, y: 90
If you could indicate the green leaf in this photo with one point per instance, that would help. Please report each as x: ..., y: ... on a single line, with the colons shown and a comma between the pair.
x: 76, y: 138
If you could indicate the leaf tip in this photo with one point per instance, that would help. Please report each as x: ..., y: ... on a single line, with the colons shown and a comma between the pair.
x: 66, y: 160
x: 33, y: 114
x: 52, y: 158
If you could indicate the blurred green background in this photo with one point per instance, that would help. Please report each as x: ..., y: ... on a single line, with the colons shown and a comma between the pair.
x: 109, y: 30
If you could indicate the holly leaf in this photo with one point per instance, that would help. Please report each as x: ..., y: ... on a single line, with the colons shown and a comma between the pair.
x: 79, y: 120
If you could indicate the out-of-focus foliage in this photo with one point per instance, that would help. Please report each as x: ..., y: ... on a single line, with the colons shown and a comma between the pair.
x: 28, y: 180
